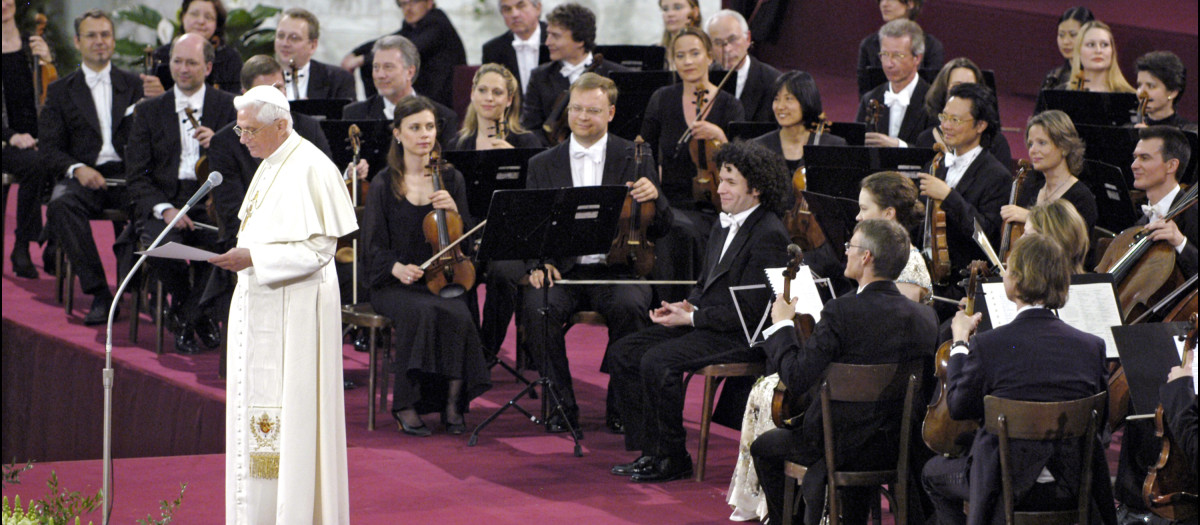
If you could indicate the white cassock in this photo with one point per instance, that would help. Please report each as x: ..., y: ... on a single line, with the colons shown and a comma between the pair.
x: 285, y: 431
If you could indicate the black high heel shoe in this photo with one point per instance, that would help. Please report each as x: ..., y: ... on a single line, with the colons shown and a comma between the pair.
x: 454, y: 429
x: 421, y: 430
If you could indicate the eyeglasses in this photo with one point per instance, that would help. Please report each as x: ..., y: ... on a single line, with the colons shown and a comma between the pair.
x: 946, y: 117
x: 883, y: 55
x: 242, y: 132
x: 591, y: 112
x: 732, y: 40
x: 848, y: 246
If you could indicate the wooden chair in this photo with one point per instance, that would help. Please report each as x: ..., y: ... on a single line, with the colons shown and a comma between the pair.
x: 63, y: 274
x: 713, y: 374
x: 1029, y: 420
x: 363, y: 316
x: 862, y: 384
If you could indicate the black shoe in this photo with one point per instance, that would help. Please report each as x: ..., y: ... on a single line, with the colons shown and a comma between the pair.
x: 349, y: 384
x: 640, y: 466
x: 556, y: 424
x: 666, y: 469
x: 49, y: 258
x: 361, y: 337
x: 209, y: 332
x: 99, y: 312
x: 185, y: 343
x: 22, y: 265
x: 614, y: 424
x: 455, y: 429
x: 421, y: 430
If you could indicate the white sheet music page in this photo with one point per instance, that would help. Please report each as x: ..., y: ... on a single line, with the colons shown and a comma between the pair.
x: 808, y: 300
x: 1091, y: 308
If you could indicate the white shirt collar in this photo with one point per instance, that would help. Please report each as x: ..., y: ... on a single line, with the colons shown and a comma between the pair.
x: 88, y: 73
x: 1029, y: 307
x: 573, y: 72
x: 1163, y: 206
x: 956, y: 165
x: 596, y: 149
x: 534, y: 39
x: 196, y: 101
x: 740, y: 217
x: 742, y: 74
x: 906, y: 93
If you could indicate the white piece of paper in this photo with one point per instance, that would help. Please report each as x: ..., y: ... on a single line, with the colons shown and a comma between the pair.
x: 174, y: 250
x: 1091, y: 308
x: 803, y: 288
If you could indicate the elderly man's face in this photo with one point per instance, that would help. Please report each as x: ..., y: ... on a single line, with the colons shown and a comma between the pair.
x: 261, y: 139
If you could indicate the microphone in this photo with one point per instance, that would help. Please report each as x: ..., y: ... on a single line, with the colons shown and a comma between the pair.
x: 214, y: 179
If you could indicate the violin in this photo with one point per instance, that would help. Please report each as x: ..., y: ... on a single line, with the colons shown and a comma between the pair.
x: 632, y: 247
x: 148, y: 60
x: 801, y: 224
x: 452, y: 273
x: 1143, y: 99
x: 1170, y: 486
x: 557, y: 127
x: 295, y: 78
x: 936, y: 251
x: 874, y: 112
x: 347, y: 248
x: 1014, y: 230
x: 787, y: 406
x: 45, y: 73
x: 1078, y: 81
x: 704, y: 183
x: 502, y: 127
x: 201, y: 164
x: 942, y: 433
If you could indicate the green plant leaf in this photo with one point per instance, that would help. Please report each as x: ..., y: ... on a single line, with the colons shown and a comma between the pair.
x: 141, y: 15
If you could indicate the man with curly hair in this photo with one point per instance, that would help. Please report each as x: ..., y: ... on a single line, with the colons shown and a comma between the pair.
x: 647, y: 366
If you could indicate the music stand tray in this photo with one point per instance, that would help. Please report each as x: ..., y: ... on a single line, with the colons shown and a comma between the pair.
x: 638, y: 58
x: 837, y: 170
x: 491, y: 170
x: 1113, y: 205
x: 636, y: 88
x: 835, y: 215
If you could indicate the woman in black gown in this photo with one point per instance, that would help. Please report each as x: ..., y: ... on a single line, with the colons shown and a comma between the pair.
x: 1056, y: 153
x: 21, y: 53
x: 207, y: 18
x: 439, y: 360
x: 798, y: 112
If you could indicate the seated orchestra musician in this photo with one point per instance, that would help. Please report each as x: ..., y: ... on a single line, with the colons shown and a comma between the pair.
x: 958, y: 71
x: 875, y: 325
x: 591, y: 157
x: 436, y: 41
x: 676, y: 16
x: 1067, y: 37
x: 1162, y: 77
x: 1059, y: 220
x: 902, y: 116
x: 1178, y: 398
x: 1094, y: 65
x: 83, y: 156
x: 797, y: 109
x: 523, y: 47
x: 207, y: 19
x: 868, y: 49
x: 296, y: 39
x: 647, y: 366
x: 438, y: 364
x: 755, y: 85
x: 1056, y: 153
x: 163, y: 155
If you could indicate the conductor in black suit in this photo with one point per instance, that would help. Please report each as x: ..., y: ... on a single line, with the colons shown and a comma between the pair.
x: 1036, y: 357
x: 395, y: 66
x: 570, y: 37
x: 590, y: 157
x: 296, y: 40
x: 903, y: 118
x: 523, y: 47
x: 83, y: 143
x: 875, y: 325
x: 162, y: 153
x: 754, y: 82
x: 648, y: 366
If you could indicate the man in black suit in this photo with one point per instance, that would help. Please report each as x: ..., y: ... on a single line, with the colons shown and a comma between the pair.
x: 570, y: 37
x: 438, y: 43
x: 84, y: 141
x: 647, y: 367
x: 903, y: 118
x: 876, y: 325
x: 591, y: 157
x: 1036, y: 357
x: 296, y: 40
x: 971, y: 183
x: 731, y: 40
x: 396, y: 67
x: 162, y: 154
x: 523, y: 47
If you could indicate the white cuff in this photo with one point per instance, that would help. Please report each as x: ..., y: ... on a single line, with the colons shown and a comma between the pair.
x: 692, y: 318
x: 1179, y: 249
x: 160, y: 208
x: 71, y: 170
x: 777, y: 327
x: 902, y: 144
x: 959, y: 347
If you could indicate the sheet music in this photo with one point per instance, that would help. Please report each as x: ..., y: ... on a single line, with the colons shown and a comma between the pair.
x: 808, y: 300
x: 1091, y: 308
x: 174, y: 250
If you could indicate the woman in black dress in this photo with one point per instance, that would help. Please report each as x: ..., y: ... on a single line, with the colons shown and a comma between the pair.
x: 439, y: 361
x: 495, y: 96
x: 1068, y: 36
x: 1056, y: 152
x: 1162, y: 76
x: 798, y: 111
x: 207, y: 18
x: 21, y: 53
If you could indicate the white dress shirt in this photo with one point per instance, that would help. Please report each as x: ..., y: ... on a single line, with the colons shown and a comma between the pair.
x: 527, y: 55
x: 302, y: 86
x: 587, y: 169
x: 1162, y: 208
x: 742, y: 73
x: 189, y: 147
x: 100, y: 84
x: 897, y: 104
x: 956, y: 165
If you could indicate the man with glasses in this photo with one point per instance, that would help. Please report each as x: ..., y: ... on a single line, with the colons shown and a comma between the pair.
x: 731, y: 43
x: 395, y: 68
x: 903, y: 117
x: 523, y: 47
x: 295, y: 42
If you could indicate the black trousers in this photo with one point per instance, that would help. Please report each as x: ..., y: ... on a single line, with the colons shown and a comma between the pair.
x: 30, y: 178
x: 71, y: 207
x: 185, y: 290
x: 775, y: 447
x: 625, y: 309
x: 500, y: 302
x: 947, y: 481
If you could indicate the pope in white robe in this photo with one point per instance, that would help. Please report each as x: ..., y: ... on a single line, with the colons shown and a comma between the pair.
x: 285, y: 435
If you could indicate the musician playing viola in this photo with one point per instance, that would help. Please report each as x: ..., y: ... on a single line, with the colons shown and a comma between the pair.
x: 591, y: 157
x: 1178, y: 398
x: 439, y: 360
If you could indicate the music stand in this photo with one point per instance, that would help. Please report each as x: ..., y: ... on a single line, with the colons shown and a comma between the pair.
x: 491, y: 170
x: 837, y: 170
x: 320, y: 108
x: 637, y: 58
x: 1114, y: 145
x: 376, y: 140
x: 1113, y: 204
x: 636, y: 88
x: 1086, y: 107
x: 540, y: 225
x: 1147, y: 352
x: 748, y: 130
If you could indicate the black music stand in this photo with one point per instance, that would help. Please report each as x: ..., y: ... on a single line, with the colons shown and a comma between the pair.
x: 1147, y: 352
x: 637, y: 58
x: 748, y: 130
x: 1086, y: 107
x: 836, y: 216
x: 320, y: 108
x: 837, y: 170
x: 376, y: 140
x: 491, y: 170
x: 636, y: 88
x: 540, y: 225
x: 1113, y: 204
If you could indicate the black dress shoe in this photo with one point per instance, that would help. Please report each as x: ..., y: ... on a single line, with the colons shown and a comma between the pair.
x: 556, y: 424
x: 421, y: 430
x: 361, y: 338
x: 614, y: 424
x: 22, y: 265
x: 666, y: 469
x: 209, y: 332
x: 99, y: 312
x: 185, y: 343
x: 454, y: 429
x: 639, y: 466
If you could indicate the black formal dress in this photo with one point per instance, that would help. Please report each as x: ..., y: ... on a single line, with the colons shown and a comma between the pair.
x: 648, y: 366
x: 757, y: 94
x: 328, y: 81
x: 440, y: 49
x: 1175, y: 120
x: 1078, y: 195
x: 69, y: 134
x: 875, y: 326
x: 1036, y: 357
x: 372, y: 109
x: 868, y: 56
x: 546, y: 84
x: 20, y: 116
x: 226, y: 73
x: 435, y: 338
x: 500, y: 50
x: 915, y: 119
x: 998, y: 148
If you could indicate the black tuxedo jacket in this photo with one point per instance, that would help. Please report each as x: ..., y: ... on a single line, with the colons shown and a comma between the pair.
x: 326, y: 81
x: 440, y: 48
x: 69, y: 128
x: 758, y: 94
x: 152, y: 154
x: 1186, y: 261
x: 552, y: 169
x: 984, y: 188
x: 876, y: 326
x: 761, y: 242
x: 499, y: 50
x: 1036, y: 357
x: 372, y: 109
x: 545, y: 84
x: 915, y: 120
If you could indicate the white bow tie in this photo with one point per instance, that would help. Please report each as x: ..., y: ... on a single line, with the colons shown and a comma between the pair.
x: 182, y: 105
x: 287, y: 75
x: 1150, y: 212
x: 950, y: 160
x: 592, y: 155
x: 727, y: 220
x: 569, y: 70
x: 523, y: 45
x: 891, y: 99
x: 95, y: 79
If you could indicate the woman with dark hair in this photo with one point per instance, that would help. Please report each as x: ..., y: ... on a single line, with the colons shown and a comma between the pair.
x: 205, y: 18
x: 1068, y: 34
x: 1162, y: 76
x: 439, y: 362
x: 798, y: 111
x: 868, y: 49
x: 1056, y: 152
x: 958, y: 71
x: 495, y: 97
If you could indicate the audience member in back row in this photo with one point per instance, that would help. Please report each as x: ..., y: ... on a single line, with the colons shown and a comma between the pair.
x: 798, y: 111
x: 868, y: 49
x: 1068, y: 36
x: 1056, y: 152
x: 1094, y: 65
x: 903, y: 117
x: 958, y: 71
x: 754, y: 82
x: 437, y: 41
x: 1162, y: 76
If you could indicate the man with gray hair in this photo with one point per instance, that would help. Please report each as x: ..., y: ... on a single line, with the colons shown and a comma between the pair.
x: 523, y: 46
x: 903, y: 118
x: 395, y: 67
x: 755, y: 80
x: 285, y: 428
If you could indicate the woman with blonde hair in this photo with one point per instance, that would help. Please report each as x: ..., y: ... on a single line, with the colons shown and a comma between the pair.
x: 676, y: 15
x: 1096, y: 58
x: 1060, y: 221
x: 1056, y: 153
x: 495, y: 99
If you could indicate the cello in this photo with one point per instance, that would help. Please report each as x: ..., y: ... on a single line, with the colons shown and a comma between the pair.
x: 632, y: 247
x: 452, y: 273
x: 787, y: 406
x: 1014, y: 230
x: 1170, y: 486
x: 942, y: 433
x: 936, y: 251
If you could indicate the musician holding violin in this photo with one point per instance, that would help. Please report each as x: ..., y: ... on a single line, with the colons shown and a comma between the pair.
x: 801, y: 119
x: 1162, y: 78
x: 1055, y: 153
x: 494, y: 115
x: 439, y: 362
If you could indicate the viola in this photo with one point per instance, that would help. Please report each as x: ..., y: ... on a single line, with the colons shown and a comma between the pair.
x: 787, y: 406
x: 358, y: 190
x: 1014, y: 230
x: 295, y: 78
x: 801, y: 224
x: 1143, y: 99
x: 1078, y: 81
x: 874, y: 113
x: 632, y: 247
x: 502, y: 125
x: 452, y: 273
x: 936, y: 251
x: 201, y: 164
x: 942, y: 433
x: 704, y: 183
x: 557, y: 127
x: 1170, y: 486
x: 45, y: 73
x: 148, y: 63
